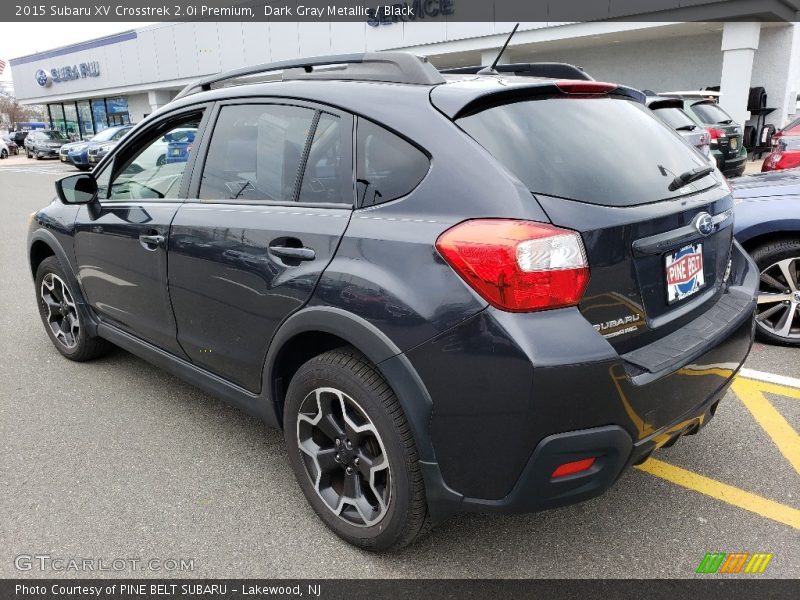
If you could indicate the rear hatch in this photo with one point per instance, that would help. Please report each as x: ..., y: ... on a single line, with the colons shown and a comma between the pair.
x: 605, y: 166
x: 712, y: 116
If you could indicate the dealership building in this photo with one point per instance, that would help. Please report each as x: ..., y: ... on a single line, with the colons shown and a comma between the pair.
x: 124, y: 77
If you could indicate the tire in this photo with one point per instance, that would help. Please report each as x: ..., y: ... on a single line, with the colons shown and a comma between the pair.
x: 330, y: 384
x: 28, y: 153
x: 75, y: 344
x: 770, y: 259
x: 3, y: 153
x: 757, y: 98
x: 161, y: 160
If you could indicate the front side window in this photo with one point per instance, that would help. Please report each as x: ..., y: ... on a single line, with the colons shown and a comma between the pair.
x: 255, y: 152
x: 156, y: 169
x: 388, y: 167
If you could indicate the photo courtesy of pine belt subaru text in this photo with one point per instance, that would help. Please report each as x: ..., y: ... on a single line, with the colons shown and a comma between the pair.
x: 497, y: 305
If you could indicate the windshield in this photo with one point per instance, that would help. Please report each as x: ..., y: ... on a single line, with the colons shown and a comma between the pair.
x: 53, y: 135
x: 675, y: 118
x: 711, y: 114
x: 106, y: 134
x: 598, y: 150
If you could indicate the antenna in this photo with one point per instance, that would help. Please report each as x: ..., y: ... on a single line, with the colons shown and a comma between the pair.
x: 491, y: 70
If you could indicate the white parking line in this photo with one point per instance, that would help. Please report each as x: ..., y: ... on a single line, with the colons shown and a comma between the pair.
x: 771, y: 378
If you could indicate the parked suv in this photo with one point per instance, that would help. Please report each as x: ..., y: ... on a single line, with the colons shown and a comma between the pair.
x: 496, y: 305
x: 727, y: 139
x: 44, y: 143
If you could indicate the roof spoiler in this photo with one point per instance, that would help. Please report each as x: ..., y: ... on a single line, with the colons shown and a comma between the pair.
x: 549, y: 70
x: 389, y: 67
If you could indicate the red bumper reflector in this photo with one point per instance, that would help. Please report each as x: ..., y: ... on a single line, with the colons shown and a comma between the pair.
x: 570, y: 468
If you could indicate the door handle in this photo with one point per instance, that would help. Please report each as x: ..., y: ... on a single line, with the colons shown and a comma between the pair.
x: 293, y: 253
x: 151, y: 241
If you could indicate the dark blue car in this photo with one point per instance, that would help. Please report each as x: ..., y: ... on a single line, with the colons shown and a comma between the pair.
x: 179, y: 144
x: 768, y: 226
x: 77, y: 153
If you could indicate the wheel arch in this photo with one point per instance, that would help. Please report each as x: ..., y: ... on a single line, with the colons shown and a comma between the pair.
x: 43, y: 244
x: 768, y: 237
x: 318, y: 329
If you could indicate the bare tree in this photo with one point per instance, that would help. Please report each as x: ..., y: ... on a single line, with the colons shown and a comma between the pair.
x: 11, y: 111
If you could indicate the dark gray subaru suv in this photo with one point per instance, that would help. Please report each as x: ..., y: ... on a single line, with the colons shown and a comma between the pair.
x: 452, y: 293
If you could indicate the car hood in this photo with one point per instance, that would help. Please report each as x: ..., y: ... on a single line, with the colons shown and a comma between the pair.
x: 773, y: 183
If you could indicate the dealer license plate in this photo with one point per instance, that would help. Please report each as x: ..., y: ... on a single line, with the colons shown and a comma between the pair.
x: 684, y: 272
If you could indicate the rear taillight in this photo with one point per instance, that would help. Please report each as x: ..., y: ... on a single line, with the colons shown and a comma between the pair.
x: 585, y: 87
x: 518, y: 265
x: 715, y: 133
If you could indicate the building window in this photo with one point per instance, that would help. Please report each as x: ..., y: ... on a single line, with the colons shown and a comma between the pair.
x: 117, y: 109
x: 99, y: 114
x: 72, y: 129
x: 85, y: 119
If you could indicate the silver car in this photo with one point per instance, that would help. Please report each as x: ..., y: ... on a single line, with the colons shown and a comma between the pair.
x: 670, y: 110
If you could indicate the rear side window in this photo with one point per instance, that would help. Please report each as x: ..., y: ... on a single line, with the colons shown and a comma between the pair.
x: 388, y: 167
x: 597, y: 150
x: 676, y: 118
x: 711, y: 114
x: 255, y: 152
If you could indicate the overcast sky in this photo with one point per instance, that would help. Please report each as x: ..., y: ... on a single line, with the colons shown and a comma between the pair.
x: 19, y: 39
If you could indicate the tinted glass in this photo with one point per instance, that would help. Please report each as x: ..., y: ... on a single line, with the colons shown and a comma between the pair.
x: 52, y: 135
x: 328, y: 175
x: 675, y: 118
x: 105, y: 135
x: 597, y: 150
x: 388, y: 167
x: 255, y: 152
x: 155, y: 170
x: 711, y: 113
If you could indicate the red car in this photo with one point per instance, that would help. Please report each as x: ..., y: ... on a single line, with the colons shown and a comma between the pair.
x: 792, y: 129
x: 785, y: 154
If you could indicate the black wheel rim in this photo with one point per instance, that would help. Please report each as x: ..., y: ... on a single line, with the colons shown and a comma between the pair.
x: 778, y: 310
x: 344, y: 457
x: 60, y: 311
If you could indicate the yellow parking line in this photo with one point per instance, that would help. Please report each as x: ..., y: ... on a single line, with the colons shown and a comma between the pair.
x: 772, y: 388
x: 784, y: 436
x: 721, y: 491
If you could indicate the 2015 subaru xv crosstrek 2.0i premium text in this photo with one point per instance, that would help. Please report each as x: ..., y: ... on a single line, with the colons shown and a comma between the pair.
x: 453, y: 293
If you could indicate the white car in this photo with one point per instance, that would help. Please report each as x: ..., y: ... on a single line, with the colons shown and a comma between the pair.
x: 3, y: 149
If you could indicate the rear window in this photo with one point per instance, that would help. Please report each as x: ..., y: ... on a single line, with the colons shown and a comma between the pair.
x: 597, y: 150
x: 675, y: 118
x: 711, y: 114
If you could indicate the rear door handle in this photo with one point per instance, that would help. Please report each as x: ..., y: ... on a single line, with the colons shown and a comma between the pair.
x: 293, y: 253
x: 151, y: 242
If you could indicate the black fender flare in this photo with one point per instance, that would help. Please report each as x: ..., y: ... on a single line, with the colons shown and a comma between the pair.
x: 377, y: 347
x: 43, y: 235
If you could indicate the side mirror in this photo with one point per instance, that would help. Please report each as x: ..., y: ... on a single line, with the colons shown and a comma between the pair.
x: 77, y: 189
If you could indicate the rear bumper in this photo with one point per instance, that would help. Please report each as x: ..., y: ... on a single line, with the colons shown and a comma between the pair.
x: 733, y: 166
x: 515, y: 396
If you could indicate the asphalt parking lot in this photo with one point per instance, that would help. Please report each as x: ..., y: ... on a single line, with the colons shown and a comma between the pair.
x: 117, y: 459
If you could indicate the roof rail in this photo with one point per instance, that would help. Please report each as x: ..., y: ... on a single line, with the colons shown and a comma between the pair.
x: 389, y: 67
x: 549, y: 70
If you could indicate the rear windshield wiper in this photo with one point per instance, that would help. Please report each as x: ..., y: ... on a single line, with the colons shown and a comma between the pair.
x: 688, y: 177
x: 686, y: 128
x: 725, y: 122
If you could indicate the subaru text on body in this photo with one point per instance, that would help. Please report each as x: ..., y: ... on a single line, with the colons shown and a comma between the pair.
x: 470, y: 310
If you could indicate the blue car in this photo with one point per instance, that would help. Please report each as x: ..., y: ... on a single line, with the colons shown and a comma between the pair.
x: 77, y: 153
x: 768, y: 226
x: 179, y: 144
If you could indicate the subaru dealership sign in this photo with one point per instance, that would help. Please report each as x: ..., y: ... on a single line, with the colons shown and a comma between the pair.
x: 68, y: 73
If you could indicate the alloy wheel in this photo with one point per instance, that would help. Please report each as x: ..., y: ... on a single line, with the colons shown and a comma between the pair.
x: 61, y: 313
x: 344, y: 457
x: 778, y: 310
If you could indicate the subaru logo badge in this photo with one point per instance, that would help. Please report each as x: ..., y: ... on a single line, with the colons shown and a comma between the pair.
x: 43, y: 78
x: 704, y: 223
